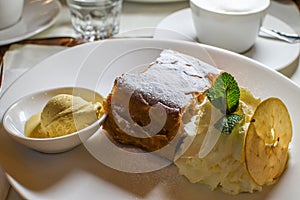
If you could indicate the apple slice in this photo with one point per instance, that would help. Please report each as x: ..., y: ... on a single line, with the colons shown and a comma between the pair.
x: 267, y: 141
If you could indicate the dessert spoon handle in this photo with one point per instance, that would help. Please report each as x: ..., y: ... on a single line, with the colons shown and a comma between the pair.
x: 290, y: 38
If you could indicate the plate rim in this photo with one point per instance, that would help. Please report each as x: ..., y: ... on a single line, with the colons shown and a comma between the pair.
x: 155, y: 40
x: 39, y: 29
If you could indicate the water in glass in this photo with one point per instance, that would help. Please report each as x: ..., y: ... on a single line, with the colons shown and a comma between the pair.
x: 95, y: 19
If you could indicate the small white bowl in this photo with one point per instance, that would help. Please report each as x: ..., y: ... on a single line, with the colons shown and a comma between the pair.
x: 228, y: 24
x: 17, y: 114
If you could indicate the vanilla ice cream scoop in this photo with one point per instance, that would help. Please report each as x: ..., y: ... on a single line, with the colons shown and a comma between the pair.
x: 64, y: 114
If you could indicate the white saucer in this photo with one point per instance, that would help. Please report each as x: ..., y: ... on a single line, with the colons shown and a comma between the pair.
x: 276, y: 54
x: 37, y: 16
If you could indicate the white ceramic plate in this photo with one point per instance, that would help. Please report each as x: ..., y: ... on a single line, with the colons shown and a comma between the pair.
x: 37, y: 17
x: 275, y: 54
x: 78, y: 175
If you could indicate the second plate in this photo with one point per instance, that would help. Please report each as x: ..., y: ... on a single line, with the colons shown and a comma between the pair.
x: 275, y: 54
x: 37, y: 17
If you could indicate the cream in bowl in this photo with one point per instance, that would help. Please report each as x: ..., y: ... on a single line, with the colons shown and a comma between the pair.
x: 55, y: 120
x: 228, y: 24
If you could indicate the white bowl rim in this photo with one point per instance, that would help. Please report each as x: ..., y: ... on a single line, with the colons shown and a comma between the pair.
x: 23, y: 137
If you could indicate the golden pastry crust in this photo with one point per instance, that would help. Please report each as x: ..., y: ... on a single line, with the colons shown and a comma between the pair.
x: 173, y: 82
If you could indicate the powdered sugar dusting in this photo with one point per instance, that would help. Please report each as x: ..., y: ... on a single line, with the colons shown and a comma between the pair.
x: 172, y: 80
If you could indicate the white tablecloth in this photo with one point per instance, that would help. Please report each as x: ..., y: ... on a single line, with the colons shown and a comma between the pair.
x: 138, y: 19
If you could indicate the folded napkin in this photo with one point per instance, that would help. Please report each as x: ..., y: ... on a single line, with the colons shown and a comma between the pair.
x: 19, y: 58
x: 27, y: 56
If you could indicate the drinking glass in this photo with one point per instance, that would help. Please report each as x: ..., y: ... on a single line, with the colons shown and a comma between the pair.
x: 95, y: 19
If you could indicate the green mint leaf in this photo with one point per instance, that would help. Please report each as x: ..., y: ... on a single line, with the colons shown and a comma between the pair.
x: 225, y: 93
x: 226, y: 124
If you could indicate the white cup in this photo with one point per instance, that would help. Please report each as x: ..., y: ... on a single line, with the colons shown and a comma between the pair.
x: 228, y: 24
x: 10, y: 12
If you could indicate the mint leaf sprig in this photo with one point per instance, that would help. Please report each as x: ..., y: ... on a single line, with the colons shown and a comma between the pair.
x: 225, y: 96
x: 227, y: 123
